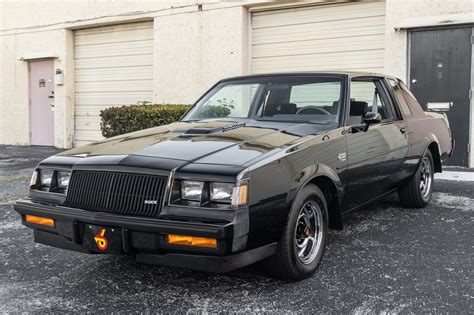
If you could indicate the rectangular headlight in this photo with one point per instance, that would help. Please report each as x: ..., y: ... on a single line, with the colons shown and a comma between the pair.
x: 46, y: 177
x: 221, y: 192
x: 63, y: 179
x: 191, y: 190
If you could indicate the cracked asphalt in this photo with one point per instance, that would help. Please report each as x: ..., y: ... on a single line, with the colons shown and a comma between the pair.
x: 387, y: 259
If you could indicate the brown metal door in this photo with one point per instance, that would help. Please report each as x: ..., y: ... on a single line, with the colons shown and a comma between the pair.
x: 440, y: 76
x: 41, y: 100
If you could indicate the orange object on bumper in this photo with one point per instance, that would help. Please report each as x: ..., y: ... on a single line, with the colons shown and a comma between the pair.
x: 192, y: 241
x: 39, y: 220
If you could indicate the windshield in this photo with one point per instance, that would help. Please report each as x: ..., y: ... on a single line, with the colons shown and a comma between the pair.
x: 314, y: 99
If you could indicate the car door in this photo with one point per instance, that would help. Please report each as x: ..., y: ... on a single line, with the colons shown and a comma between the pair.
x: 375, y: 155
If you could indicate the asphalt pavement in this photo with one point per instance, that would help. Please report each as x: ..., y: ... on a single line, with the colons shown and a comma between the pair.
x: 387, y: 259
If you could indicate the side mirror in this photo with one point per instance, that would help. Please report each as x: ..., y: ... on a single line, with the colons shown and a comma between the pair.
x: 371, y: 118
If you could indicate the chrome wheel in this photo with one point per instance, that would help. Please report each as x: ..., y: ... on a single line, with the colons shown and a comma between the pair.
x: 309, y: 232
x: 426, y: 177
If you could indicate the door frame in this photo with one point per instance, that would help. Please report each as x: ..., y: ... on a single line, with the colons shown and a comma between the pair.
x: 30, y: 103
x: 470, y: 153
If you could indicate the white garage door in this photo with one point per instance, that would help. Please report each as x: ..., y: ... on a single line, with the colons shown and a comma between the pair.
x: 328, y: 37
x: 113, y: 66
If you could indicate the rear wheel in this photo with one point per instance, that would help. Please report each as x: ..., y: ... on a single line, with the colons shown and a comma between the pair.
x: 417, y: 192
x: 303, y: 242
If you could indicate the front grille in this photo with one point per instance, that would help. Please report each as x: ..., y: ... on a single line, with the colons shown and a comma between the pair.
x: 120, y: 193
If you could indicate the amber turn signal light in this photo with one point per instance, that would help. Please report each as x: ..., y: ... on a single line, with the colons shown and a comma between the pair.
x: 192, y: 241
x: 39, y: 220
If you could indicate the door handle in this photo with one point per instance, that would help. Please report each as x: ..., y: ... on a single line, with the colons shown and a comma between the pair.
x: 403, y: 129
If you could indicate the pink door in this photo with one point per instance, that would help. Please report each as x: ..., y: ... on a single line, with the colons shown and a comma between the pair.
x: 41, y: 98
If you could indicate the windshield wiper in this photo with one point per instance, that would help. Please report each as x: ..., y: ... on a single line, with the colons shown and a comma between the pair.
x: 295, y: 121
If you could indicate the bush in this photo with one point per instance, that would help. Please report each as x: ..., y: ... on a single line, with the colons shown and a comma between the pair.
x: 119, y: 120
x: 223, y: 108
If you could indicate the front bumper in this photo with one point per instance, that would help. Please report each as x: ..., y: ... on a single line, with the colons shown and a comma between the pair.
x: 144, y: 237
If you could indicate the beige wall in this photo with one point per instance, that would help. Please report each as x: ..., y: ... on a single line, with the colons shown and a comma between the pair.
x: 194, y: 50
x: 194, y: 47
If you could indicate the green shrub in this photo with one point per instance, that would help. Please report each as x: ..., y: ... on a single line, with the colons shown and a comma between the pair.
x: 223, y: 108
x: 119, y: 120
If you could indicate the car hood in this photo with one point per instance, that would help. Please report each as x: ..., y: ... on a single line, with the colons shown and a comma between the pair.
x: 224, y: 142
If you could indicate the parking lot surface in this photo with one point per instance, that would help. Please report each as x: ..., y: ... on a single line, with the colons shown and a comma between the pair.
x: 387, y: 259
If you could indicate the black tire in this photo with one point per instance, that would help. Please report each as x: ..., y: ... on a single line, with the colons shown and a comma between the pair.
x: 412, y: 194
x: 286, y: 264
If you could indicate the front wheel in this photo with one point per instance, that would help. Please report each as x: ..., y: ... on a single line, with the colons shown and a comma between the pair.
x: 303, y: 242
x: 417, y: 192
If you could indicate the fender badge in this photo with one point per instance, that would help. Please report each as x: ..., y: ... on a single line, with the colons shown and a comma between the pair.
x: 101, y: 241
x: 342, y: 156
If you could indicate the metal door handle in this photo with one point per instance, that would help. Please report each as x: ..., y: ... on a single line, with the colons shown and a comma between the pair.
x: 403, y: 129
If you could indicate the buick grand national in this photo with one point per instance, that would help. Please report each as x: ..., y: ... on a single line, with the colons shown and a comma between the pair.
x: 257, y: 170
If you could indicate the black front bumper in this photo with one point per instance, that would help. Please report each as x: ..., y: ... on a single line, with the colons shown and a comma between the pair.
x: 144, y: 237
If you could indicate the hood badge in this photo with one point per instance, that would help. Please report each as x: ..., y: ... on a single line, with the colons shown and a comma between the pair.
x: 342, y: 156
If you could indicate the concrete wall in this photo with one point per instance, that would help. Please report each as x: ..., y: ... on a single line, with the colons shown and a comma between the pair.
x: 194, y: 50
x: 196, y: 44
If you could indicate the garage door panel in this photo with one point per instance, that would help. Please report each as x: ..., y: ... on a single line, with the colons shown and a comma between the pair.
x: 113, y: 74
x: 315, y: 33
x: 131, y: 60
x: 87, y: 136
x: 330, y: 37
x: 89, y: 123
x: 319, y: 46
x: 116, y: 28
x: 114, y: 49
x: 85, y: 111
x: 114, y: 86
x: 349, y: 61
x: 114, y: 37
x: 117, y: 98
x: 328, y: 13
x: 113, y: 67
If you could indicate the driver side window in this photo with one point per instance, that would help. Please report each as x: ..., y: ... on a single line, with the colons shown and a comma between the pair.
x: 366, y: 97
x: 316, y: 98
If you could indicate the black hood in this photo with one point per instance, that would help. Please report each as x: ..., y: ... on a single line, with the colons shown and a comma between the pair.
x: 225, y: 142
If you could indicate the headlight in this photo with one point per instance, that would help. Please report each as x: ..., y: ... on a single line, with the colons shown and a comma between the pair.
x: 46, y: 177
x: 63, y: 179
x: 216, y: 195
x: 191, y: 190
x: 50, y: 180
x: 221, y: 192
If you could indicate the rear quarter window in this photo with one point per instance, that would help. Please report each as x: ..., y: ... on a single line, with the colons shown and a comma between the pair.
x: 399, y: 97
x: 410, y: 99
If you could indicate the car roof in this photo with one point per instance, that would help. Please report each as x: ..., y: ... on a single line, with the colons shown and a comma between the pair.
x: 309, y: 73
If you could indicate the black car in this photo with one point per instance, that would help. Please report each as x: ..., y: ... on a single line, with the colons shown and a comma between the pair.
x: 258, y: 169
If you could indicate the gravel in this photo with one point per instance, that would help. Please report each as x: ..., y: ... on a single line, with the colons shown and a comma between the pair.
x: 387, y: 259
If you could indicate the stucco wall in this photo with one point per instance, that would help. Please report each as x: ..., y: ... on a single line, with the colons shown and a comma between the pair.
x: 194, y: 47
x: 194, y: 50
